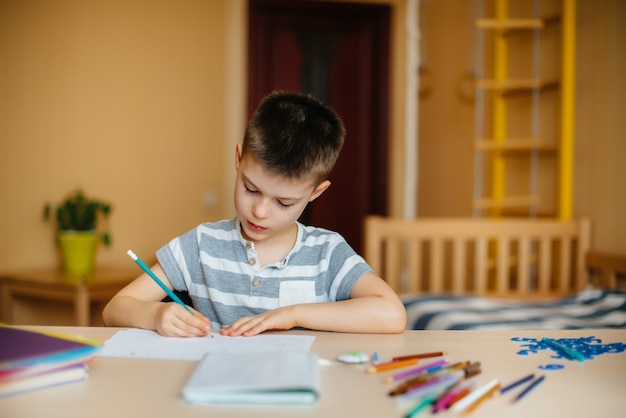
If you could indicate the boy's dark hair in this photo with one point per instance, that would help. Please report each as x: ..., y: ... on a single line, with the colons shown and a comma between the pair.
x: 294, y: 135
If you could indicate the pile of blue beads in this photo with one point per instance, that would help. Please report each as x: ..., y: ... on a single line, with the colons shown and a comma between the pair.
x: 590, y: 347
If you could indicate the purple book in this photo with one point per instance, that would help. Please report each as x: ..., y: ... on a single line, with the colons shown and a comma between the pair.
x: 26, y: 353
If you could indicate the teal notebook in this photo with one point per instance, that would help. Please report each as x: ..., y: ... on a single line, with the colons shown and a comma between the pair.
x: 255, y: 378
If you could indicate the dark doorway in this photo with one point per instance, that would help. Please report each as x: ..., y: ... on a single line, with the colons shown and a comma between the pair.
x: 338, y: 52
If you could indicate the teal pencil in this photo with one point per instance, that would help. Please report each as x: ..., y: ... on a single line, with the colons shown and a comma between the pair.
x: 158, y: 281
x: 574, y: 354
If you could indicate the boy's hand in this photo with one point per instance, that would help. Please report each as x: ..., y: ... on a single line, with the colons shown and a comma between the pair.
x: 281, y: 318
x: 172, y: 320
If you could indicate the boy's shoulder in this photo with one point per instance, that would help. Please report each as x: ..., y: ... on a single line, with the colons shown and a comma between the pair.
x: 224, y: 224
x: 316, y: 243
x: 224, y: 228
x: 316, y: 233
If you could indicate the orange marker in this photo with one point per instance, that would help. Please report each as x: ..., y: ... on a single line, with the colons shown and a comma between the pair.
x: 390, y: 365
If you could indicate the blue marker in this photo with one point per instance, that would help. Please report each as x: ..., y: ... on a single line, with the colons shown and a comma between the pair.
x: 570, y: 352
x: 529, y: 388
x: 517, y: 383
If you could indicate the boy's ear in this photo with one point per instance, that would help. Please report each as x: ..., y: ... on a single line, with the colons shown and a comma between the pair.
x: 321, y: 188
x: 238, y: 151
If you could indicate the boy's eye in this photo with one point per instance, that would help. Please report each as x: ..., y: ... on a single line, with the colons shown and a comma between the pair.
x: 280, y: 204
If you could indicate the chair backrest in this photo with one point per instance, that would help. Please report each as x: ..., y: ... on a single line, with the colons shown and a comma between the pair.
x: 501, y: 257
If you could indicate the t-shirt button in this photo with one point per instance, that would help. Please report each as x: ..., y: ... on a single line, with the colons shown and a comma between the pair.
x: 256, y: 282
x: 252, y: 261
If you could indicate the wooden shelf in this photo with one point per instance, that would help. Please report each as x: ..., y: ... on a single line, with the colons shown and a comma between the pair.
x: 517, y: 94
x: 521, y: 144
x: 523, y: 212
x: 515, y: 85
x: 507, y: 202
x: 510, y: 24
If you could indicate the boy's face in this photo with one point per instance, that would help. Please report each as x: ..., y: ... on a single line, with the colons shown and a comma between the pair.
x: 268, y: 204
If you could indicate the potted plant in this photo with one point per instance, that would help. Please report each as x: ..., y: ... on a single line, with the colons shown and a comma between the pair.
x: 77, y: 218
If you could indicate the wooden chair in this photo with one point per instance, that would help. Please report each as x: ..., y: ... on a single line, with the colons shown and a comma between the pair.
x: 506, y: 257
x: 610, y: 268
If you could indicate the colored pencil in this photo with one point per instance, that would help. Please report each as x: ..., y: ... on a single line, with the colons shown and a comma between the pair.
x: 481, y: 399
x: 517, y: 383
x: 390, y: 365
x: 465, y: 370
x: 529, y: 388
x: 458, y: 390
x: 422, y: 369
x: 570, y: 352
x: 421, y: 405
x: 453, y: 394
x: 440, y: 383
x: 459, y: 395
x: 419, y: 356
x: 459, y: 366
x: 443, y: 402
x: 154, y: 277
x: 413, y: 382
x: 476, y: 394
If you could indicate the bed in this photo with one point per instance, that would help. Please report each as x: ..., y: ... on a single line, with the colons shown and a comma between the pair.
x: 590, y: 308
x: 508, y: 273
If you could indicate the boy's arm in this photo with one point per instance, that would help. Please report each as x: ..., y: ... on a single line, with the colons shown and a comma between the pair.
x: 373, y: 307
x: 139, y: 305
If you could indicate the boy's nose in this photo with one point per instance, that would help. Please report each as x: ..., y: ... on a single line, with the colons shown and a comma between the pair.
x: 260, y: 208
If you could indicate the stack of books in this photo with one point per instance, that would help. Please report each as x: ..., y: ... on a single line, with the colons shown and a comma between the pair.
x: 32, y: 360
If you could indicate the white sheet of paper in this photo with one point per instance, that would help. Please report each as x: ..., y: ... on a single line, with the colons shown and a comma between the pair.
x: 141, y: 343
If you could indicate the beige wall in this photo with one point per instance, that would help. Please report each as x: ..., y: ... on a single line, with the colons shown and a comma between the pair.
x: 141, y: 102
x: 446, y: 111
x: 600, y: 159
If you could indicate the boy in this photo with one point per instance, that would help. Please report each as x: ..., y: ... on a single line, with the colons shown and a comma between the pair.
x: 264, y: 270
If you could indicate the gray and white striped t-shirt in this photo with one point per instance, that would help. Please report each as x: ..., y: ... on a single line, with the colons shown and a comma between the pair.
x: 221, y: 271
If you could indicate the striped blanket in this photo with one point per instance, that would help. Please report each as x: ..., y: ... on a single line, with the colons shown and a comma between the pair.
x: 591, y: 308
